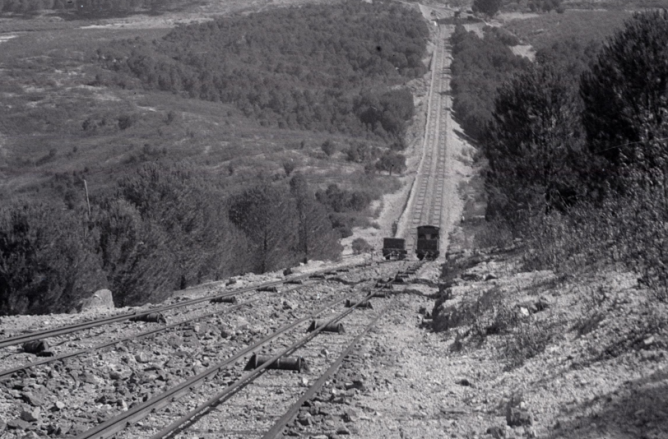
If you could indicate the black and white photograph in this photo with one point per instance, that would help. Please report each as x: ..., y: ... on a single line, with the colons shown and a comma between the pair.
x: 334, y: 219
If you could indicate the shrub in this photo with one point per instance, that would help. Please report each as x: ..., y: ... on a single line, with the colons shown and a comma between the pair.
x: 620, y: 104
x: 360, y: 245
x: 47, y: 260
x: 341, y: 200
x: 528, y: 339
x: 125, y: 121
x: 329, y: 148
x: 487, y: 7
x: 288, y: 167
x: 392, y: 162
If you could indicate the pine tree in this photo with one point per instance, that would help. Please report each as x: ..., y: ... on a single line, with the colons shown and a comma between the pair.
x: 627, y: 88
x: 533, y: 142
x: 268, y: 216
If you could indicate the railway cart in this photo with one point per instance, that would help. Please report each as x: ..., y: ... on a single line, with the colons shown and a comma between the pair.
x: 394, y: 248
x: 427, y: 242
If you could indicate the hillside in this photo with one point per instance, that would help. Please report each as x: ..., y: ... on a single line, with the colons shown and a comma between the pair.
x: 118, y: 129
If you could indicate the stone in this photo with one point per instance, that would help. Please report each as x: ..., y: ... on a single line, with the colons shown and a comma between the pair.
x: 89, y: 378
x: 473, y: 277
x: 142, y: 357
x: 31, y: 415
x: 448, y: 317
x: 32, y: 399
x: 57, y: 406
x: 225, y: 332
x: 290, y: 305
x: 305, y: 419
x: 349, y: 415
x: 115, y: 375
x: 100, y: 300
x: 241, y: 323
x: 342, y: 430
x: 517, y: 417
x: 464, y: 382
x: 18, y: 424
x: 496, y: 432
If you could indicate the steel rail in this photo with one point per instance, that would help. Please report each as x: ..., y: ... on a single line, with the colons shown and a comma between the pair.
x: 118, y: 423
x: 5, y: 373
x: 250, y: 376
x: 422, y: 205
x: 47, y: 333
x: 278, y: 427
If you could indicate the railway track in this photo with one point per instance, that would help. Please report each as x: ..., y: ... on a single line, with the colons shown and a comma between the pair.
x: 427, y: 203
x: 135, y: 382
x: 53, y: 332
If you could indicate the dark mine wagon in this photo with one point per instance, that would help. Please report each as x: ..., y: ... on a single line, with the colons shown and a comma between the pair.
x: 427, y: 242
x: 394, y: 248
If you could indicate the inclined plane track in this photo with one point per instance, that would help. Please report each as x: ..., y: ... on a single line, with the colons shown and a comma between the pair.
x: 428, y: 193
x: 185, y: 358
x: 99, y: 333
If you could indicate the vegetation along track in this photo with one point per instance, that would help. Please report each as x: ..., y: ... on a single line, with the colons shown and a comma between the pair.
x: 428, y: 197
x: 92, y: 387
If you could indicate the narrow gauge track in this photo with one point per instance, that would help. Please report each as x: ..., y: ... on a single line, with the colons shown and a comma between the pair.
x: 201, y: 394
x: 88, y: 342
x: 109, y: 339
x: 68, y: 329
x: 172, y: 362
x: 427, y: 205
x: 219, y: 310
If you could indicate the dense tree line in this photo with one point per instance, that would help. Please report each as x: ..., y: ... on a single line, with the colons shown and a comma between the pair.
x: 166, y: 227
x: 578, y: 153
x: 317, y: 67
x: 479, y: 67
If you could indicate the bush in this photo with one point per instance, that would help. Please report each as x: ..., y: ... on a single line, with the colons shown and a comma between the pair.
x: 47, y: 260
x: 528, y: 339
x: 341, y: 200
x: 392, y: 162
x: 288, y: 167
x: 329, y: 148
x: 621, y: 107
x: 487, y: 7
x: 125, y: 121
x: 360, y: 246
